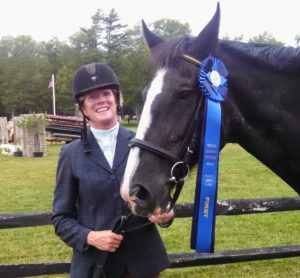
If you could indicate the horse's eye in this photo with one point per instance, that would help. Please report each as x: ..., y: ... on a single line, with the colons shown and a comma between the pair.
x: 174, y: 138
x: 184, y: 94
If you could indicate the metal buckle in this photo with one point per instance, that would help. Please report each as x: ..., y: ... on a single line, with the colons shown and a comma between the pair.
x: 177, y: 164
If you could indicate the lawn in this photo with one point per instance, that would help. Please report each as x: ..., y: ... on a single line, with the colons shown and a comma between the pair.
x: 27, y: 185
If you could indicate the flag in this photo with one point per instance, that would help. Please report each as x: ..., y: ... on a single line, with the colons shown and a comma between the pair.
x: 50, y: 85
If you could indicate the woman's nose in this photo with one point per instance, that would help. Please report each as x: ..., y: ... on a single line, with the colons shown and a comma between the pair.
x: 100, y: 98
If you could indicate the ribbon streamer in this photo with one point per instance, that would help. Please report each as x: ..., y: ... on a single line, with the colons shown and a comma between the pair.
x: 213, y: 84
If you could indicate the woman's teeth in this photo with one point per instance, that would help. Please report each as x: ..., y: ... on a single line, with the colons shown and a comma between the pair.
x: 102, y: 109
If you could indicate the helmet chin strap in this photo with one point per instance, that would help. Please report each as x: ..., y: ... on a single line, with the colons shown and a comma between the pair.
x: 85, y: 142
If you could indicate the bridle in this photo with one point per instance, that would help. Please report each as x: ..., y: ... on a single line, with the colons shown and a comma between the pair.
x: 182, y: 160
x: 120, y: 228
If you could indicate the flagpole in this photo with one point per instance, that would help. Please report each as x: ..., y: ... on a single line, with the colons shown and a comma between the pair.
x: 53, y: 94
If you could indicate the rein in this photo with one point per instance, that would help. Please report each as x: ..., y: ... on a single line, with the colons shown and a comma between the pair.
x: 182, y: 160
x: 120, y: 228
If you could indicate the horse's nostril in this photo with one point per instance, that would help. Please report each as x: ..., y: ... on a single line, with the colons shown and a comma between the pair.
x: 143, y: 199
x: 141, y: 193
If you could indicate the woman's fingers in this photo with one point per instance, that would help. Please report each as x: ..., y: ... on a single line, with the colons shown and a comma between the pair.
x: 104, y: 240
x: 161, y: 218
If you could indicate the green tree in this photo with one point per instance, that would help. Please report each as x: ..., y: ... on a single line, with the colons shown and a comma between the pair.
x: 136, y: 72
x: 22, y: 79
x: 265, y: 38
x: 26, y: 65
x: 115, y: 35
x: 64, y: 98
x: 138, y: 67
x: 51, y: 50
x: 84, y: 43
x: 170, y: 28
x: 297, y: 40
x: 236, y: 38
x: 88, y: 41
x: 104, y: 41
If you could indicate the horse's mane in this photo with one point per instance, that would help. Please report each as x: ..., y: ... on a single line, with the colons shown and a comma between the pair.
x: 278, y: 57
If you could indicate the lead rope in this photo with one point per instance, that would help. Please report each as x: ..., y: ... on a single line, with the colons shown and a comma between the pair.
x: 118, y: 229
x: 176, y: 194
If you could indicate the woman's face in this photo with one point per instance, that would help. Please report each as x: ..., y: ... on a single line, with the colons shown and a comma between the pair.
x: 101, y: 108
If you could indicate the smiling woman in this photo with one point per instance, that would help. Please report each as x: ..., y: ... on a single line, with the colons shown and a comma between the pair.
x: 87, y: 204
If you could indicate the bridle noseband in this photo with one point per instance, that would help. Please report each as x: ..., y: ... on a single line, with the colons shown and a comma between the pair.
x: 181, y: 161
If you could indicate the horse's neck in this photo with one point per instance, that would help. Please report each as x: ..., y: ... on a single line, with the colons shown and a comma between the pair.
x: 261, y: 116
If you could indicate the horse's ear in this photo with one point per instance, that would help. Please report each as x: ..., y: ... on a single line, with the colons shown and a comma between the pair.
x: 151, y: 38
x: 207, y: 39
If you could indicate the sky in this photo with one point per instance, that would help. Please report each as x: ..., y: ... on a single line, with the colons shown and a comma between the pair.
x: 44, y: 20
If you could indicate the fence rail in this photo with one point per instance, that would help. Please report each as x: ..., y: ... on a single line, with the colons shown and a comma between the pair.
x: 226, y: 207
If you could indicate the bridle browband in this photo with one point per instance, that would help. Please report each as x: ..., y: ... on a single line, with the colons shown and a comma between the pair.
x: 182, y: 160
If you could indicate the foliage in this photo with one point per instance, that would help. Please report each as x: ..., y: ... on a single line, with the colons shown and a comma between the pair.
x: 5, y: 150
x: 265, y: 37
x: 170, y: 28
x: 22, y: 76
x: 63, y: 84
x: 33, y: 123
x: 236, y: 38
x: 297, y: 40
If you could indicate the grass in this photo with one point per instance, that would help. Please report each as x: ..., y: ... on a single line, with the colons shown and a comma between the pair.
x: 27, y: 185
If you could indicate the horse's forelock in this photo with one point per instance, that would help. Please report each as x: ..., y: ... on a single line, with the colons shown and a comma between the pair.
x: 166, y: 54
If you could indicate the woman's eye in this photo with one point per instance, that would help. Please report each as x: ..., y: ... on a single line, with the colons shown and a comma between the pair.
x: 106, y: 94
x: 91, y: 97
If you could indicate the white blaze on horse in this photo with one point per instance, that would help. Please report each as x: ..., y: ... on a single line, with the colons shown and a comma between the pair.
x: 261, y: 113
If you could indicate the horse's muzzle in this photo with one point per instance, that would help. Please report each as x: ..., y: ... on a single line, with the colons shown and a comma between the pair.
x: 142, y: 201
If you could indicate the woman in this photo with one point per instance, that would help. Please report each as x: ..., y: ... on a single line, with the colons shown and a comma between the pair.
x: 87, y: 204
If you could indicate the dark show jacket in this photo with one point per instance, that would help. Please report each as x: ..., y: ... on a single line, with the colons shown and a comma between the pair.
x: 87, y: 197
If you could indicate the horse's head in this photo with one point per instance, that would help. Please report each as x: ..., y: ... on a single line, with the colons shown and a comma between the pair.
x: 167, y: 124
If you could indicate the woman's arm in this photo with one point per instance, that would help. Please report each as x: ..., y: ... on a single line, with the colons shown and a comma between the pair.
x: 64, y: 215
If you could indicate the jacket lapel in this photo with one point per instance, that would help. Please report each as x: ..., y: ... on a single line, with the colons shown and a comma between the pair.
x: 96, y: 154
x: 122, y: 149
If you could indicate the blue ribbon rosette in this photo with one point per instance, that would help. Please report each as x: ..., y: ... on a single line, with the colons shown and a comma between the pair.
x: 213, y: 84
x: 212, y: 79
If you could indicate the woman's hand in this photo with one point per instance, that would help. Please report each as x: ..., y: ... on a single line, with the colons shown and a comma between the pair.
x: 104, y: 240
x: 162, y: 218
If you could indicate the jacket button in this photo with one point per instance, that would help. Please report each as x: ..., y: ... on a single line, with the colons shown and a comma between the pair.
x: 115, y: 194
x: 112, y: 177
x: 118, y: 212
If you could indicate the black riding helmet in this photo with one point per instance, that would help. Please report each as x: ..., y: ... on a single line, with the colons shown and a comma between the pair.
x: 93, y: 76
x: 90, y: 77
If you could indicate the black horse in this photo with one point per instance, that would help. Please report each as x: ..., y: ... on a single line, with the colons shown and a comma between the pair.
x: 261, y: 113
